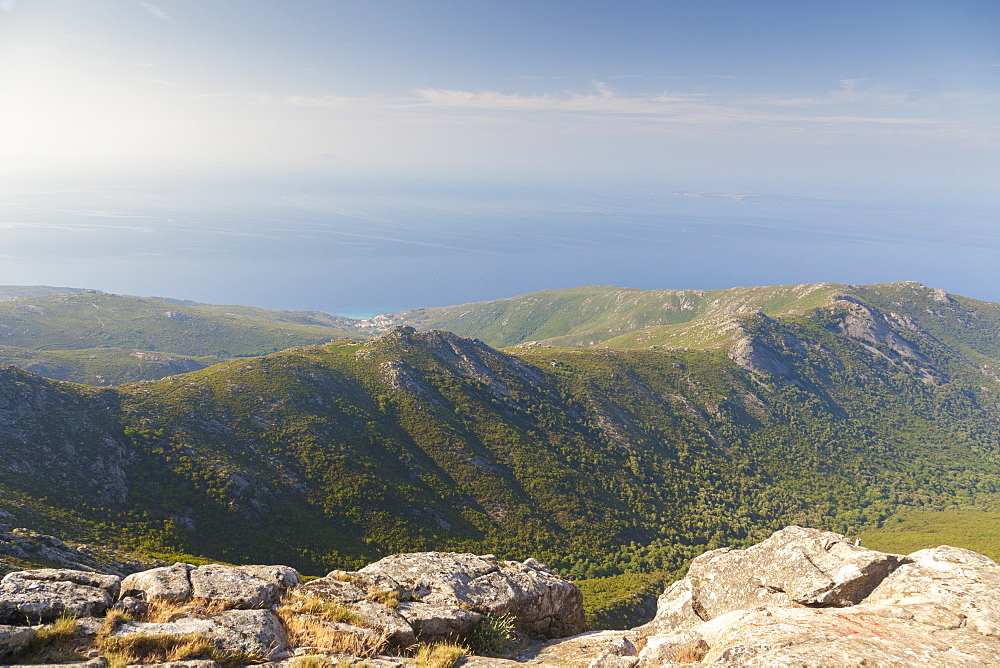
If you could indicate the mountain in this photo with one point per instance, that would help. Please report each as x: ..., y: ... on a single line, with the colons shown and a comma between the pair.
x: 106, y: 339
x: 836, y: 411
x: 588, y: 316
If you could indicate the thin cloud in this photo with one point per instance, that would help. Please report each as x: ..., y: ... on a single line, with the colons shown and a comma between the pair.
x: 155, y: 11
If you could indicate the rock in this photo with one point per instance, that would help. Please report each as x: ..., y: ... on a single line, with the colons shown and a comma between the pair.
x: 255, y: 632
x: 332, y: 589
x: 943, y: 584
x: 234, y: 586
x: 432, y: 623
x: 776, y: 636
x: 167, y: 583
x: 242, y: 587
x: 136, y: 607
x: 13, y: 638
x: 542, y: 603
x: 285, y: 577
x: 109, y: 583
x: 795, y: 566
x: 382, y: 618
x: 677, y: 607
x: 597, y: 649
x: 680, y: 646
x: 44, y: 595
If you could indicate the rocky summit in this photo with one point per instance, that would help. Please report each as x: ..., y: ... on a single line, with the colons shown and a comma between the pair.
x: 803, y: 597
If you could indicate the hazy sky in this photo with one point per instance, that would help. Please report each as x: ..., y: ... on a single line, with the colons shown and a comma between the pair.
x: 872, y: 99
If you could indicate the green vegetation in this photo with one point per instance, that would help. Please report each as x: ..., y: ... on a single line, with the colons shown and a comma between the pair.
x: 836, y: 410
x: 622, y: 601
x: 439, y: 655
x: 492, y: 635
x: 103, y: 339
x: 589, y: 316
x: 912, y: 530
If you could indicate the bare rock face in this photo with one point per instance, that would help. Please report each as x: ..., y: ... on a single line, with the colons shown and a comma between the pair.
x: 542, y: 603
x: 244, y: 587
x: 943, y: 584
x: 795, y: 566
x: 45, y: 594
x: 254, y: 632
x: 233, y: 586
x: 772, y: 636
x: 13, y: 638
x: 434, y: 596
x: 167, y: 583
x: 805, y: 597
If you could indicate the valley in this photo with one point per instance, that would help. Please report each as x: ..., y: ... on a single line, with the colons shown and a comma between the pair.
x: 825, y: 405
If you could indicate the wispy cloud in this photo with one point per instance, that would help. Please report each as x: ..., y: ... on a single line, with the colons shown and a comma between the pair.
x: 155, y: 11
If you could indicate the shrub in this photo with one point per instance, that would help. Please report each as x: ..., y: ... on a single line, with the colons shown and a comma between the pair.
x: 492, y: 636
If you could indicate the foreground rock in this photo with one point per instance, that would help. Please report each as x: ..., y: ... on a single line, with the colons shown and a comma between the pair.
x: 243, y: 587
x: 45, y: 594
x: 802, y: 597
x: 434, y: 596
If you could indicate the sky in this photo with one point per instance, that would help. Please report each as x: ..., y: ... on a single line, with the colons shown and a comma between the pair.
x: 359, y: 156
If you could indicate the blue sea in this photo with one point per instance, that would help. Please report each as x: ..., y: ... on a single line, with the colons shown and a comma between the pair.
x: 359, y: 247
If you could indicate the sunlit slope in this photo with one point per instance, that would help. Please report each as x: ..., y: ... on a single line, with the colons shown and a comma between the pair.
x: 596, y: 460
x: 587, y: 316
x: 100, y: 320
x: 103, y: 366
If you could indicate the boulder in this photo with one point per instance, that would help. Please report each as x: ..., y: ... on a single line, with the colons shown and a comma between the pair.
x: 45, y: 594
x: 782, y: 636
x: 254, y: 632
x: 243, y: 587
x: 234, y: 586
x: 167, y: 583
x: 542, y: 603
x: 13, y: 638
x: 432, y: 623
x: 596, y: 649
x: 377, y: 616
x: 794, y: 567
x: 942, y: 584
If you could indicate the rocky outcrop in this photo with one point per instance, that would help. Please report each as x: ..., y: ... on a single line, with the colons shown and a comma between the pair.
x: 45, y: 594
x: 243, y: 587
x: 801, y: 597
x: 805, y: 597
x: 444, y: 595
x: 794, y: 567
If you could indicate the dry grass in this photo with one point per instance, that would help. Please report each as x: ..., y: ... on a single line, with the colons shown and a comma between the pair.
x: 54, y: 643
x: 157, y: 648
x: 386, y: 597
x: 317, y: 607
x: 344, y: 577
x: 305, y: 630
x: 439, y: 655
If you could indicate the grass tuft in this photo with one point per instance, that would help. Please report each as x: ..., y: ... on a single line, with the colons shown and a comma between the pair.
x: 439, y: 655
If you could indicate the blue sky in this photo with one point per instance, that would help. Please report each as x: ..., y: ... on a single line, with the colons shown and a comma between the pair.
x: 883, y: 102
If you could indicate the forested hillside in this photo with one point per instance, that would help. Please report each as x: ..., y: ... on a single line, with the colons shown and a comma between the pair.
x: 595, y: 460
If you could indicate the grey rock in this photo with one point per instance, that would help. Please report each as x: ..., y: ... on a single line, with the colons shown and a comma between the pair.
x: 42, y: 598
x: 167, y: 583
x: 109, y: 583
x: 543, y: 604
x: 680, y: 646
x: 773, y: 636
x: 285, y: 577
x: 435, y: 622
x: 943, y: 584
x: 795, y: 566
x: 234, y: 586
x: 13, y: 638
x: 255, y: 632
x: 333, y: 589
x: 382, y: 618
